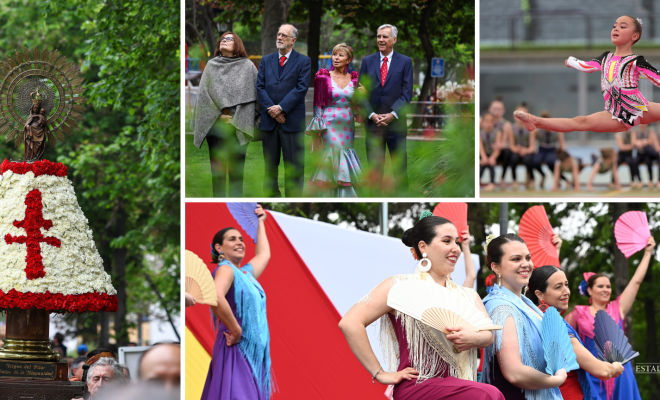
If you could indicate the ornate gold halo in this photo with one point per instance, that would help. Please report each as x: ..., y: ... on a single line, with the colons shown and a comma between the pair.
x: 30, y: 70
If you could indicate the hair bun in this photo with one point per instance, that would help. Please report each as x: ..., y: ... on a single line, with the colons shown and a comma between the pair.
x: 407, y: 238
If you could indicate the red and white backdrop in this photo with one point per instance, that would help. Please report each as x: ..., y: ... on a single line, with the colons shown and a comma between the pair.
x: 316, y: 273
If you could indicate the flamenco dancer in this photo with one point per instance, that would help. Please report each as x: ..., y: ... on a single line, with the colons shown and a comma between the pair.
x: 548, y: 287
x: 423, y: 366
x: 240, y: 365
x: 597, y: 286
x: 518, y: 371
x: 339, y: 171
x: 625, y: 106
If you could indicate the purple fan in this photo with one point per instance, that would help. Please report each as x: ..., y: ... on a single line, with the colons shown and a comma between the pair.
x: 611, y: 343
x: 244, y: 214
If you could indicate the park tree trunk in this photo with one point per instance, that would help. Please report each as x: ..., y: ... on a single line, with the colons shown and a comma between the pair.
x: 314, y: 38
x: 119, y: 264
x: 209, y: 29
x: 427, y: 46
x: 621, y: 266
x: 651, y: 333
x: 274, y: 15
x: 104, y: 335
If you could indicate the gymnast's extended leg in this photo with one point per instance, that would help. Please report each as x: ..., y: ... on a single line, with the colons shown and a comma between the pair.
x: 599, y: 122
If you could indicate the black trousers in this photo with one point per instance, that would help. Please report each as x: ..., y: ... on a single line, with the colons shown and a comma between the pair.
x: 528, y: 162
x: 647, y: 157
x: 633, y: 164
x: 491, y: 169
x: 227, y: 160
x: 290, y: 145
x: 547, y: 156
x: 377, y: 142
x: 505, y: 159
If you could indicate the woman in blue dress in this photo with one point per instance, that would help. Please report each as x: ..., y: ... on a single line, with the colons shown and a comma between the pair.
x: 597, y: 286
x: 339, y: 171
x: 240, y: 364
x: 518, y: 371
x: 548, y: 287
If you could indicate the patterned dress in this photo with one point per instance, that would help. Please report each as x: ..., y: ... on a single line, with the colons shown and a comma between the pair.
x: 339, y: 171
x: 619, y: 83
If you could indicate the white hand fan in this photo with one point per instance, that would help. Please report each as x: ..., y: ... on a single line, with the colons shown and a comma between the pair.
x: 199, y: 282
x: 437, y: 306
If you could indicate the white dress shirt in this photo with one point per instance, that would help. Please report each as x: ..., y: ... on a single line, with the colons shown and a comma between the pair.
x: 279, y: 57
x: 389, y: 62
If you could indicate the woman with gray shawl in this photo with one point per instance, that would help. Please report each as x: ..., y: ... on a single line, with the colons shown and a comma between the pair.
x: 226, y: 113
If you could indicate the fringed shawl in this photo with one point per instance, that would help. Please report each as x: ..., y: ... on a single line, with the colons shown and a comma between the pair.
x: 323, y: 87
x: 582, y: 374
x: 501, y: 303
x: 251, y: 310
x: 430, y: 352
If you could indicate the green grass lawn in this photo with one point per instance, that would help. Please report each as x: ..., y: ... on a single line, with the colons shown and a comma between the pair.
x: 198, y: 168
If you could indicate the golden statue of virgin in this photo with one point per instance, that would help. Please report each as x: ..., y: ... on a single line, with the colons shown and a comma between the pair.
x: 41, y: 100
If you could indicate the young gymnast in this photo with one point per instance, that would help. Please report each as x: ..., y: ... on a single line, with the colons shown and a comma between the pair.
x: 566, y: 163
x: 602, y: 164
x: 489, y: 149
x: 523, y: 148
x: 625, y: 106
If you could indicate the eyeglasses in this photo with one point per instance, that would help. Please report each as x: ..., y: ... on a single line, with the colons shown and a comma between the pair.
x: 227, y: 39
x: 283, y: 36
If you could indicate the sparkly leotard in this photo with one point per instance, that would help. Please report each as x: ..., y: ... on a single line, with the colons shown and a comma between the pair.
x: 619, y: 83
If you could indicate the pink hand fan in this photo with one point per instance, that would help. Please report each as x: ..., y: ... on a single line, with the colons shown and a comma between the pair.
x: 632, y: 232
x: 455, y: 212
x: 536, y: 231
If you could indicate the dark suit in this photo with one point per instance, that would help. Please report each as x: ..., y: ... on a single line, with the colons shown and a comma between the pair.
x: 395, y: 96
x: 286, y: 86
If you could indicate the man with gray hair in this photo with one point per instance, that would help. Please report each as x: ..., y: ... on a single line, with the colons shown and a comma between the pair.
x: 76, y: 369
x: 388, y: 77
x: 105, y: 372
x: 282, y: 84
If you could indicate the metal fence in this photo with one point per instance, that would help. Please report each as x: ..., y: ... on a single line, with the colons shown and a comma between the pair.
x: 558, y: 27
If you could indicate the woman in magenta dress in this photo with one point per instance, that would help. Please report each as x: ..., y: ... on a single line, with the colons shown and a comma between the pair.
x: 422, y: 365
x: 240, y: 364
x: 339, y: 171
x: 625, y: 106
x: 598, y: 288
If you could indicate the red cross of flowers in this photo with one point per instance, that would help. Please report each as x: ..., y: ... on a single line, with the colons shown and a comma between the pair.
x: 33, y: 222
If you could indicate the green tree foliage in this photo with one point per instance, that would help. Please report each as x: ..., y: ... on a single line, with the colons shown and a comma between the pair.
x: 124, y: 160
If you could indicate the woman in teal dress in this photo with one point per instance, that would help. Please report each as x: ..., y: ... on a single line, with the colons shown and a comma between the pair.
x: 597, y: 286
x: 240, y: 364
x: 339, y: 171
x: 518, y: 371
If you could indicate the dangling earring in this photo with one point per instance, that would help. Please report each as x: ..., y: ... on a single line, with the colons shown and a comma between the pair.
x: 590, y: 300
x: 421, y: 266
x: 499, y: 280
x: 221, y: 256
x: 543, y: 307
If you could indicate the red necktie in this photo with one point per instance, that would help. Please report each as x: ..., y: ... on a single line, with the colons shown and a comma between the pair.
x: 383, y: 71
x: 282, y: 59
